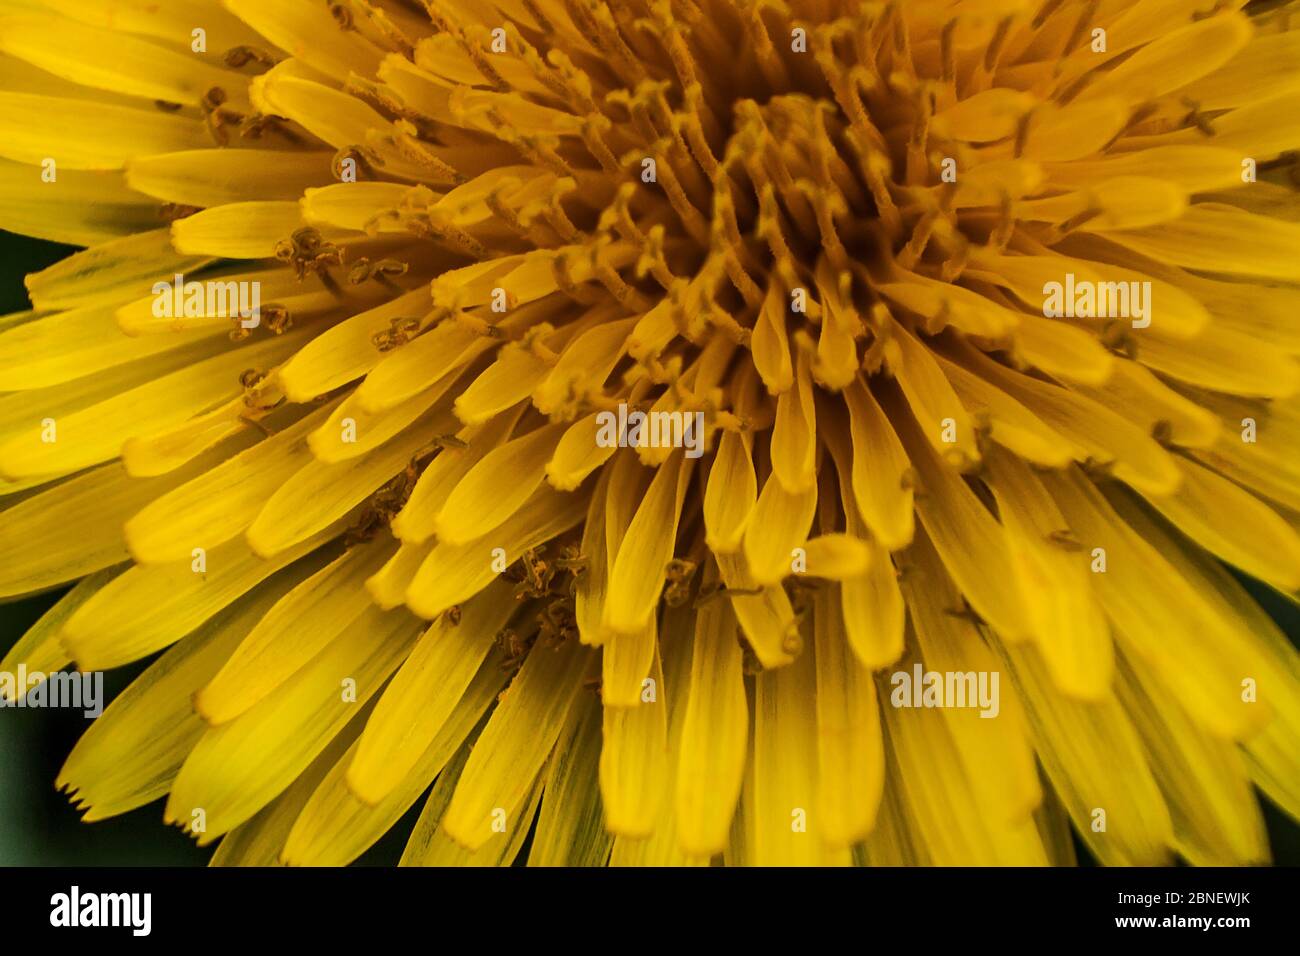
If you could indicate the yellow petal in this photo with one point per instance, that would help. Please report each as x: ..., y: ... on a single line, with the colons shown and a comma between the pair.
x: 991, y: 739
x: 634, y: 756
x: 79, y: 524
x: 424, y: 692
x: 577, y: 454
x: 1109, y: 439
x: 112, y: 60
x: 637, y: 575
x: 794, y: 434
x: 132, y: 753
x: 1073, y: 131
x: 1235, y: 525
x: 765, y: 613
x: 663, y: 848
x: 321, y: 493
x: 216, y: 177
x: 335, y: 827
x: 939, y: 412
x: 240, y: 230
x: 307, y: 31
x: 60, y: 348
x: 731, y: 493
x: 1217, y: 238
x: 415, y: 522
x: 38, y: 651
x: 782, y: 818
x: 515, y: 743
x: 387, y: 586
x: 95, y: 432
x: 881, y: 474
x: 626, y: 664
x: 109, y: 273
x: 311, y: 615
x: 850, y: 749
x: 80, y: 208
x: 940, y: 304
x: 259, y: 841
x: 1122, y: 203
x: 585, y: 364
x: 1010, y: 423
x: 770, y: 344
x: 506, y: 382
x: 1144, y: 399
x: 431, y: 846
x: 220, y: 503
x: 352, y: 431
x: 1192, y: 168
x: 571, y: 826
x: 80, y: 134
x: 984, y: 117
x: 1173, y: 60
x: 498, y: 485
x: 1097, y: 765
x: 1179, y: 313
x: 230, y: 778
x: 590, y: 588
x: 1216, y: 818
x: 945, y: 824
x: 836, y: 556
x: 711, y: 761
x: 1053, y: 567
x: 147, y: 608
x: 1173, y: 628
x: 346, y: 351
x: 779, y: 523
x: 408, y: 370
x: 450, y: 574
x: 972, y: 545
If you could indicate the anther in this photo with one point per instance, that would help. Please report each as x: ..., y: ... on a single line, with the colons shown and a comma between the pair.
x: 240, y: 56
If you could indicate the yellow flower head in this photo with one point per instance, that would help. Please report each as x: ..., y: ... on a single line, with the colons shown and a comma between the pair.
x: 783, y: 431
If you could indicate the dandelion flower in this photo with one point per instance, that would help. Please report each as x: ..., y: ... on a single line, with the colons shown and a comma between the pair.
x: 985, y: 312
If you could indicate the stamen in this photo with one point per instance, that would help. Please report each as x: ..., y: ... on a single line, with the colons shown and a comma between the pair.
x: 238, y: 57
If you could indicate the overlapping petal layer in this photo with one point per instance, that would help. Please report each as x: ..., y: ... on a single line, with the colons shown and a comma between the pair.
x: 384, y: 545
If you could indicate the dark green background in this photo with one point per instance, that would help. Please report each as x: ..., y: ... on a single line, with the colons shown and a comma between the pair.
x: 38, y: 827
